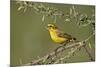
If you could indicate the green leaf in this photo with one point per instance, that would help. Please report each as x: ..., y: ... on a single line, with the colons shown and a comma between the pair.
x: 21, y: 7
x: 43, y: 18
x: 90, y: 45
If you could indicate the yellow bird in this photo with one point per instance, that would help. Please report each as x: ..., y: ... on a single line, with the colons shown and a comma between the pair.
x: 59, y: 36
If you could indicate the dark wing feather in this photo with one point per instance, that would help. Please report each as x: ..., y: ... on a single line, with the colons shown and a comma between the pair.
x: 65, y: 35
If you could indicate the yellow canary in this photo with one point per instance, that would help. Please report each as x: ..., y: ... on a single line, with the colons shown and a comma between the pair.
x: 59, y: 36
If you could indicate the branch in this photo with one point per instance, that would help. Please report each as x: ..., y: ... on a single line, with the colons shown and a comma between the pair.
x: 88, y: 52
x: 69, y: 53
x: 48, y: 56
x: 86, y: 49
x: 51, y: 57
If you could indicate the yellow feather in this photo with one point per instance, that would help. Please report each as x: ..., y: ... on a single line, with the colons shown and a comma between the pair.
x: 55, y: 37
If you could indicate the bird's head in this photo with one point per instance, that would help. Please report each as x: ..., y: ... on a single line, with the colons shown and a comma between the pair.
x: 51, y: 27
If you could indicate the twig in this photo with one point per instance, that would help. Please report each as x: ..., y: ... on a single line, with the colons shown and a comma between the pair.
x: 70, y: 53
x: 88, y: 52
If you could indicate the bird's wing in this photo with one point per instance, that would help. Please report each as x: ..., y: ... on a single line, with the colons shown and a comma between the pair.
x: 64, y: 35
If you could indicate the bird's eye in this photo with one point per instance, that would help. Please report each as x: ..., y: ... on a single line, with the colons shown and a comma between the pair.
x: 50, y: 26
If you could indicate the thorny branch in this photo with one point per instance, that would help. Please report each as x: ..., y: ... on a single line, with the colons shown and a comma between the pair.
x: 51, y: 58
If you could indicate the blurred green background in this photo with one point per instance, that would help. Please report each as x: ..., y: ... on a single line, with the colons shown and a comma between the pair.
x: 30, y: 39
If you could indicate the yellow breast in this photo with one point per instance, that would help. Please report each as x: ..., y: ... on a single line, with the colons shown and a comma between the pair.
x: 56, y: 38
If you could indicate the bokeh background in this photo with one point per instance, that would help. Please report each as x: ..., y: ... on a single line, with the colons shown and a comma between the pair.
x: 30, y: 39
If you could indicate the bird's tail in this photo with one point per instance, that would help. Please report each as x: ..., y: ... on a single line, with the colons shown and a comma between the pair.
x: 73, y: 38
